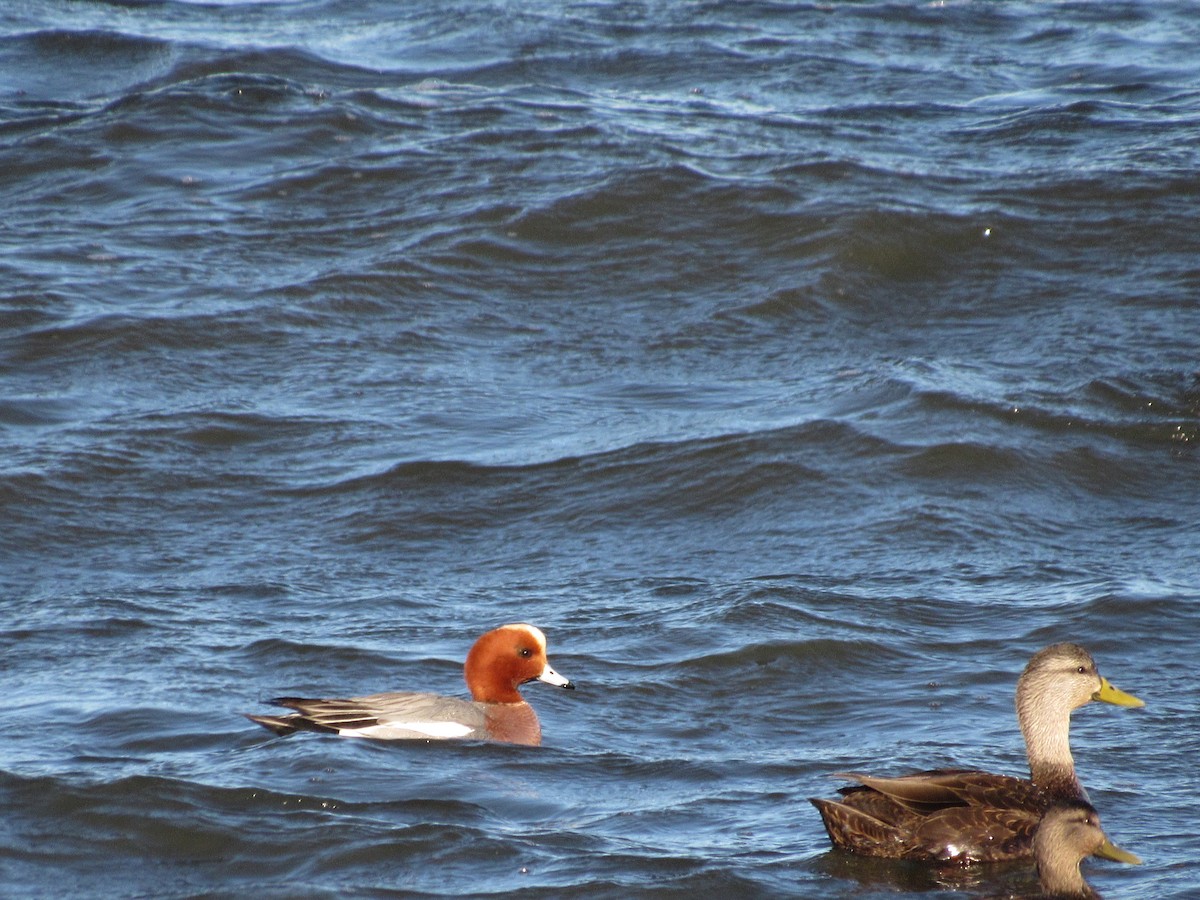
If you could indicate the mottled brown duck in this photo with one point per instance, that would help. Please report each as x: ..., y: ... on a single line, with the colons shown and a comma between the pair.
x: 1069, y: 832
x: 964, y: 816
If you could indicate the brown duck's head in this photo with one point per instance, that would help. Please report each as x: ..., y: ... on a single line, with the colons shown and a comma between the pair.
x: 1068, y: 832
x: 1064, y: 676
x: 506, y: 658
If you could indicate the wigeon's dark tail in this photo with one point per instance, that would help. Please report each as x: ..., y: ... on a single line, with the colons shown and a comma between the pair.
x: 281, y: 725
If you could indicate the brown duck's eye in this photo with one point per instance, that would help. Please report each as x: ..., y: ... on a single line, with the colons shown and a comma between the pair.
x: 1082, y: 670
x: 525, y: 652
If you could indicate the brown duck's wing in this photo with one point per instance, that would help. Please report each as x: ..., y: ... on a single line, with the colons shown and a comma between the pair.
x: 878, y: 806
x: 959, y: 835
x: 970, y: 834
x: 987, y: 791
x: 858, y: 831
x: 919, y: 792
x: 925, y: 793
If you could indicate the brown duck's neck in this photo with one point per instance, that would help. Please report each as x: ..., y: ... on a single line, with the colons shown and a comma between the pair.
x: 1056, y: 781
x: 1047, y: 735
x: 1065, y: 880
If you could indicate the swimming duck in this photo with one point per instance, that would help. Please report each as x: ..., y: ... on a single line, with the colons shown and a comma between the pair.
x: 497, y: 665
x: 963, y: 816
x: 1068, y: 832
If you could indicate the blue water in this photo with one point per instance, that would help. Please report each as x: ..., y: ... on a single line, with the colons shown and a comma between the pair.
x: 799, y: 369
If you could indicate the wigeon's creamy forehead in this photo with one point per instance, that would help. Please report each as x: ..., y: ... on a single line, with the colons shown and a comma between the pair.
x: 535, y: 633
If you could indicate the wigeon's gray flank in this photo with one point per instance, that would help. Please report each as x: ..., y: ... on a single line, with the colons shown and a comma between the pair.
x: 499, y: 663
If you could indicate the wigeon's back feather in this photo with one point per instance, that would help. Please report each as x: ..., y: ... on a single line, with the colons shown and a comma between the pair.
x: 965, y: 816
x: 497, y: 665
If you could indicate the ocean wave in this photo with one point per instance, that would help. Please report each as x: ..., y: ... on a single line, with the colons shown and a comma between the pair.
x: 68, y: 64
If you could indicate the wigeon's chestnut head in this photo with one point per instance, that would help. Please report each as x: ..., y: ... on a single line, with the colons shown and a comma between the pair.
x: 506, y: 658
x: 497, y: 665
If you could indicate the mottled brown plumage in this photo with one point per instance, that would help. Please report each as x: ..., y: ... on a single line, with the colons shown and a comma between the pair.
x: 965, y: 816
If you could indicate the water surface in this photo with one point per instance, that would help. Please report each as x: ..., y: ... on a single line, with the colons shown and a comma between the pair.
x: 800, y: 369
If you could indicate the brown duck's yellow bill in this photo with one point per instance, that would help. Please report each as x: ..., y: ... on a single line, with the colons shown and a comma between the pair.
x: 1109, y: 850
x: 1110, y: 694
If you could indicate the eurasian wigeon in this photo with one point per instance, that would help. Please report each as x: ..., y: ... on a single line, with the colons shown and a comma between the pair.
x: 498, y: 664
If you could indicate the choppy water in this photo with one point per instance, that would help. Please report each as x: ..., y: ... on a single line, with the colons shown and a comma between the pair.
x: 800, y: 369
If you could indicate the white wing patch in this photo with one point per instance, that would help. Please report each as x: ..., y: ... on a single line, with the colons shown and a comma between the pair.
x: 409, y: 730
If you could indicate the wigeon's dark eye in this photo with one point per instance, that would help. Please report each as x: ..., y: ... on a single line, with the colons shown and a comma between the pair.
x: 525, y: 652
x: 1082, y: 670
